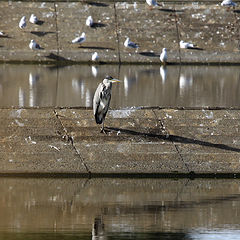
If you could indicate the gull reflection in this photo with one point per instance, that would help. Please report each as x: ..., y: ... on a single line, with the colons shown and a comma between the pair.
x: 98, y: 232
x: 185, y: 82
x: 94, y: 71
x: 128, y: 82
x: 32, y: 80
x: 163, y: 73
x: 20, y: 97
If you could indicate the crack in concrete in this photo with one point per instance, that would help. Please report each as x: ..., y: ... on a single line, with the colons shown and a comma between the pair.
x: 166, y: 133
x: 117, y: 34
x: 69, y: 138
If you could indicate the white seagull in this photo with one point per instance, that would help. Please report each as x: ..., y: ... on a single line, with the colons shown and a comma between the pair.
x: 95, y: 57
x: 22, y: 24
x: 33, y: 45
x: 163, y: 56
x: 129, y: 44
x: 152, y: 3
x: 80, y: 39
x: 228, y: 3
x: 33, y: 19
x: 186, y: 44
x: 89, y: 21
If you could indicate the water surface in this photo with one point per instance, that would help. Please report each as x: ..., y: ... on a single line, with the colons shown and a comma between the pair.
x: 143, y: 85
x: 119, y: 209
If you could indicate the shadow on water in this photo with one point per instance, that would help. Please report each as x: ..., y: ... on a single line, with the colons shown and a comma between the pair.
x: 174, y: 138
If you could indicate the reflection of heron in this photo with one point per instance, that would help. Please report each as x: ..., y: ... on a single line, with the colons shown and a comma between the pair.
x: 163, y: 73
x: 101, y: 99
x: 98, y: 229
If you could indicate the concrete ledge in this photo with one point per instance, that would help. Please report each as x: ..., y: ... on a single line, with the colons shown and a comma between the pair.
x: 147, y: 142
x: 214, y: 29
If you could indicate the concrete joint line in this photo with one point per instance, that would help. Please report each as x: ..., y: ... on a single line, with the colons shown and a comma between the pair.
x: 56, y: 22
x: 69, y: 138
x: 178, y: 36
x: 117, y: 34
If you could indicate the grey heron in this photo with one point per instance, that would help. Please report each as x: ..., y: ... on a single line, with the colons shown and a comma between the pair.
x: 101, y: 99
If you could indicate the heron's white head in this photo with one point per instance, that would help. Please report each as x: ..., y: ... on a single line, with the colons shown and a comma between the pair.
x: 32, y: 41
x: 83, y: 34
x: 164, y: 49
x: 109, y: 79
x: 181, y: 41
x: 24, y: 18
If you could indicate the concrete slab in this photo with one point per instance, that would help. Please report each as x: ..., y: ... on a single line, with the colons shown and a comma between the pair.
x: 213, y: 28
x: 14, y: 47
x: 129, y: 138
x: 137, y: 141
x: 100, y: 38
x: 151, y: 29
x: 32, y: 142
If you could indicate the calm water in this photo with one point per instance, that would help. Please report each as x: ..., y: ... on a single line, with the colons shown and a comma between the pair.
x: 119, y: 209
x: 189, y: 86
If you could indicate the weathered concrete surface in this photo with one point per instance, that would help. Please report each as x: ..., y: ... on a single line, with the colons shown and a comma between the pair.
x: 138, y: 141
x: 215, y: 30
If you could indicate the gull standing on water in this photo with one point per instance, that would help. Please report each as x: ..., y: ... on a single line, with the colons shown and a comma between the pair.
x: 80, y: 39
x: 129, y: 44
x: 101, y: 99
x: 163, y: 56
x: 33, y: 19
x: 33, y: 45
x: 228, y: 3
x: 89, y: 21
x: 186, y: 44
x: 22, y: 24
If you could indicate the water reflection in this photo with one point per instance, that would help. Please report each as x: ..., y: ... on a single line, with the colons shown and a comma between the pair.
x: 187, y: 86
x: 119, y: 209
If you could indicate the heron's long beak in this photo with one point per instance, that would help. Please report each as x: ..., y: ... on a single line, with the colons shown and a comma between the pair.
x: 115, y: 80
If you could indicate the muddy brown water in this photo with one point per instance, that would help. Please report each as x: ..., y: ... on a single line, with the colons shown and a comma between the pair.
x: 74, y: 208
x: 142, y: 85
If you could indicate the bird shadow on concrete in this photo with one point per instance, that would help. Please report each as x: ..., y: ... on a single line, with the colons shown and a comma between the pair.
x: 97, y: 4
x: 98, y: 25
x: 97, y: 48
x: 40, y: 22
x: 236, y: 11
x: 175, y: 138
x: 171, y: 10
x: 149, y: 54
x: 195, y: 48
x: 5, y: 36
x: 40, y: 34
x: 58, y: 58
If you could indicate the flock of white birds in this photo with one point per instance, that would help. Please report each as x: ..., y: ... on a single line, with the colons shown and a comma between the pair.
x: 128, y: 43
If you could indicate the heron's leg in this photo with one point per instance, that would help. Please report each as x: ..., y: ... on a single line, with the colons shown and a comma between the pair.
x: 102, y: 129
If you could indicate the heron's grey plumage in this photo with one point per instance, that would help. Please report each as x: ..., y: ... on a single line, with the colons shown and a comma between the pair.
x: 101, y: 100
